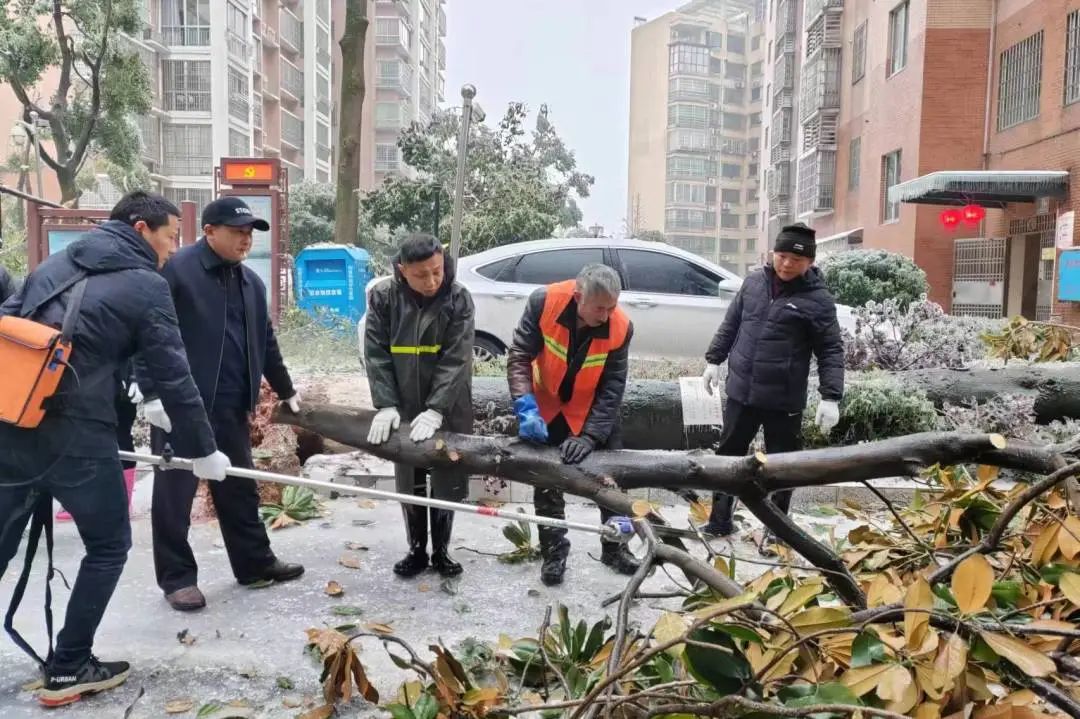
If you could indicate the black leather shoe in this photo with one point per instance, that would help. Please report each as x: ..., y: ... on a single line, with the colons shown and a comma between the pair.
x: 279, y: 571
x: 717, y: 529
x: 414, y: 562
x: 186, y: 599
x: 619, y: 558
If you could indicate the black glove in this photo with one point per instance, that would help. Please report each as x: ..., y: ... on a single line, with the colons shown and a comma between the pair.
x: 576, y: 449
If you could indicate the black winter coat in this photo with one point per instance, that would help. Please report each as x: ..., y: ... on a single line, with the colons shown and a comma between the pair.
x: 419, y: 351
x: 126, y: 310
x: 602, y: 423
x: 195, y: 276
x: 8, y: 286
x: 768, y: 341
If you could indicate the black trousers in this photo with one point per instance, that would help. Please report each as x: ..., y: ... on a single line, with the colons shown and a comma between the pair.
x: 783, y: 433
x: 552, y: 503
x: 236, y: 501
x: 125, y: 420
x: 93, y: 491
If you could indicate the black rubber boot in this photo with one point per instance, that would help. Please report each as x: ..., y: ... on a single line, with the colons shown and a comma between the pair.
x: 619, y: 558
x: 722, y: 517
x: 416, y: 560
x: 554, y: 554
x: 442, y: 525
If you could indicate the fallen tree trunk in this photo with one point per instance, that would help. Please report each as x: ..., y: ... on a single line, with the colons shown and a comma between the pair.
x: 603, y: 474
x: 652, y: 416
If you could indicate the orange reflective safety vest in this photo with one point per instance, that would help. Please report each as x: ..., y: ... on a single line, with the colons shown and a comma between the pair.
x: 550, y: 366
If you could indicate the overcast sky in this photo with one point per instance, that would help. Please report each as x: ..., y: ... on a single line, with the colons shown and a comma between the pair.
x: 573, y: 55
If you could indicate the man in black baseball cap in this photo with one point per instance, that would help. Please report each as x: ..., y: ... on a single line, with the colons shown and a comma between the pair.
x: 222, y: 307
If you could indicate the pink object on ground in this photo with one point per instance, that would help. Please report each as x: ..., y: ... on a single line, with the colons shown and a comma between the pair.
x: 129, y: 483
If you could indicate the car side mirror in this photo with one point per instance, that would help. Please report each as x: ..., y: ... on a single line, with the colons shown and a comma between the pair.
x: 728, y: 286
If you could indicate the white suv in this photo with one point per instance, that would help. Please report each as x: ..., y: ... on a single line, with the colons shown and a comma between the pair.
x: 675, y: 298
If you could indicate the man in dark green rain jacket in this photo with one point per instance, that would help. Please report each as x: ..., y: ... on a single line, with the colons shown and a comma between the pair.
x: 418, y: 345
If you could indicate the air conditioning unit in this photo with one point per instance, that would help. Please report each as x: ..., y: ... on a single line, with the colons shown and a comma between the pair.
x: 712, y: 181
x: 726, y: 206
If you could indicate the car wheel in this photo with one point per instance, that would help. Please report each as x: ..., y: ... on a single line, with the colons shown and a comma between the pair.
x: 485, y: 350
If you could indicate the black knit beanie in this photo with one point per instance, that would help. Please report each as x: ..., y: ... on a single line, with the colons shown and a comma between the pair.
x: 796, y: 239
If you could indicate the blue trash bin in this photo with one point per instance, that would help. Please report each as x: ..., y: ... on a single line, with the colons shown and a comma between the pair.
x: 330, y: 282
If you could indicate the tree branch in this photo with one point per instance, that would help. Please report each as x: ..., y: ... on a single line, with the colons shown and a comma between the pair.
x: 79, y: 154
x: 723, y: 708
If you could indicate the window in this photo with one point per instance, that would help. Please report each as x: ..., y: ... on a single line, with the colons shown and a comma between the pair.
x: 898, y: 37
x: 704, y: 246
x: 543, y: 268
x: 729, y: 196
x: 714, y: 40
x: 386, y: 157
x: 692, y: 140
x: 1072, y: 58
x: 736, y: 43
x: 686, y: 192
x: 755, y: 42
x: 690, y: 167
x: 694, y: 116
x: 656, y: 272
x: 751, y: 171
x: 733, y: 121
x: 755, y: 69
x: 699, y: 220
x: 688, y: 59
x: 890, y: 175
x: 188, y: 149
x: 734, y: 95
x: 751, y: 220
x: 729, y: 221
x: 186, y: 85
x: 751, y: 195
x: 689, y: 87
x: 731, y: 171
x: 858, y: 54
x: 751, y: 244
x: 733, y: 146
x: 493, y: 269
x: 854, y: 156
x: 238, y: 143
x: 1020, y: 82
x: 239, y: 94
x: 735, y: 70
x: 755, y: 119
x: 729, y: 245
x: 387, y: 114
x: 755, y: 93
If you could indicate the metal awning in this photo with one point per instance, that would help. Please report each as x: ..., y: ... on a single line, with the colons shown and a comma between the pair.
x: 989, y: 188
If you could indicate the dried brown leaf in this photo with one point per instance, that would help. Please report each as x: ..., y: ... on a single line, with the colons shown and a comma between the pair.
x: 1070, y: 587
x: 179, y: 706
x: 351, y: 561
x: 334, y: 589
x: 916, y: 624
x: 1029, y: 661
x: 971, y: 583
x: 1045, y: 545
x: 891, y: 685
x: 1069, y: 537
x: 321, y: 712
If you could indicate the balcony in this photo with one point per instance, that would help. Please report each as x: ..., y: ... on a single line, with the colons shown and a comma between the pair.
x: 239, y: 106
x: 784, y: 72
x: 238, y: 48
x: 820, y: 89
x: 785, y: 20
x: 779, y: 182
x: 185, y: 36
x: 784, y: 98
x: 400, y: 81
x: 292, y: 130
x: 826, y: 32
x: 256, y: 58
x: 154, y: 39
x: 817, y: 183
x: 442, y: 22
x: 780, y: 153
x: 292, y: 32
x: 392, y: 33
x: 257, y: 112
x: 781, y: 126
x: 292, y: 80
x: 394, y: 120
x: 150, y: 138
x: 819, y: 132
x: 814, y: 9
x: 270, y: 37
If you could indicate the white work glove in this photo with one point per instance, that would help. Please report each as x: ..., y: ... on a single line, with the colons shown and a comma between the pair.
x: 293, y: 403
x: 828, y: 415
x: 212, y: 467
x: 134, y: 393
x: 155, y: 414
x: 425, y: 425
x: 711, y: 376
x: 385, y: 422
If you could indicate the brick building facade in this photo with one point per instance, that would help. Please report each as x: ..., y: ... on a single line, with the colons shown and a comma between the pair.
x: 918, y: 90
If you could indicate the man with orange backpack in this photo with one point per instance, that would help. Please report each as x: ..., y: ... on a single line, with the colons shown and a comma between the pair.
x: 567, y: 370
x: 105, y: 292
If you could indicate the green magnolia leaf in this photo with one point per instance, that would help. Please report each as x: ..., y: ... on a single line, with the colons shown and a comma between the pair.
x: 400, y: 711
x: 980, y: 651
x: 346, y: 610
x: 829, y: 693
x: 722, y: 667
x: 426, y: 707
x: 1007, y: 594
x: 867, y: 649
x: 736, y: 631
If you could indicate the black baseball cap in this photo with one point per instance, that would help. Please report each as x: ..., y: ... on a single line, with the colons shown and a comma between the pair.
x: 234, y: 212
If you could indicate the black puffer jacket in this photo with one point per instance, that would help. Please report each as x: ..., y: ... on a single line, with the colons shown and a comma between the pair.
x: 603, y: 420
x: 767, y: 341
x: 126, y: 310
x: 8, y: 286
x: 419, y: 351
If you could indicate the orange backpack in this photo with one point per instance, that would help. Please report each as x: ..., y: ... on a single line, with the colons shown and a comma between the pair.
x: 34, y: 357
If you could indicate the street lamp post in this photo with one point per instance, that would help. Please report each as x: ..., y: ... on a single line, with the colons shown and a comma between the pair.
x: 468, y: 92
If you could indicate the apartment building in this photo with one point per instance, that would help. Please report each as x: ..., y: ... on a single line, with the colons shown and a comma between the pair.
x: 405, y: 77
x: 911, y: 107
x: 696, y: 87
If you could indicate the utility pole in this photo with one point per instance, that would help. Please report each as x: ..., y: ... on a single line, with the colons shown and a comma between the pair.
x: 468, y: 92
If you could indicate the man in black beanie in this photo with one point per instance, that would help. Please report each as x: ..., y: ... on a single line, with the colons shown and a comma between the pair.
x: 782, y: 314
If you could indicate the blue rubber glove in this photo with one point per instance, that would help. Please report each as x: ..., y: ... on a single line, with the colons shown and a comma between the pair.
x: 531, y: 425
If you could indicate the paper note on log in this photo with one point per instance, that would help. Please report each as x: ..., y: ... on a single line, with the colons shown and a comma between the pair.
x: 700, y: 409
